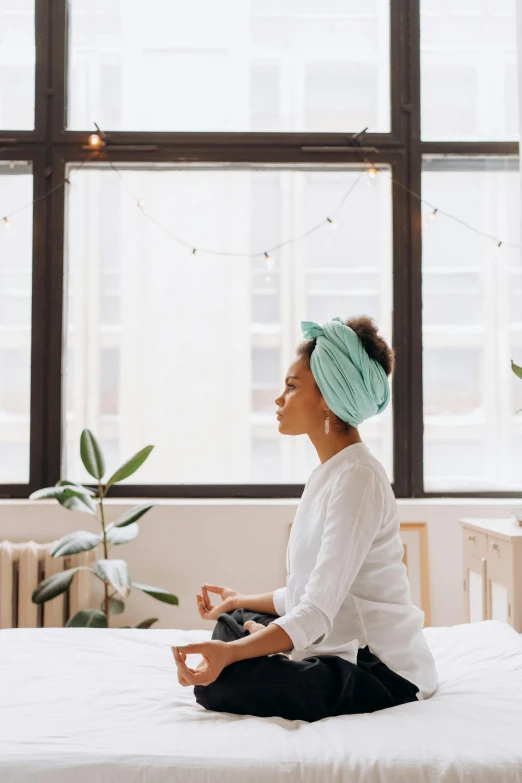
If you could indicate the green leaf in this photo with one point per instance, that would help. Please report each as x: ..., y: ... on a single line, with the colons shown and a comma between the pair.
x: 75, y: 485
x: 132, y: 515
x: 130, y: 467
x: 87, y: 618
x: 158, y: 593
x: 91, y: 455
x: 75, y: 500
x: 516, y: 369
x: 79, y: 541
x: 116, y: 572
x: 54, y: 585
x: 47, y: 492
x: 116, y: 606
x: 117, y: 535
x: 147, y: 623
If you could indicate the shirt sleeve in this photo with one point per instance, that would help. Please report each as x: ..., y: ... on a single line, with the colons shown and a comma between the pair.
x: 353, y: 518
x: 279, y: 598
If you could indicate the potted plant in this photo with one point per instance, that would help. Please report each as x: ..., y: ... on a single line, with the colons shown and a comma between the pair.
x: 114, y: 573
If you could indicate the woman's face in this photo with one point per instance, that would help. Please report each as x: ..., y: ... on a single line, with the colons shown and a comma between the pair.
x: 301, y: 405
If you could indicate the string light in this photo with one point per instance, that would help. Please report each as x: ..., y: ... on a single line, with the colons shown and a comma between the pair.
x: 372, y: 174
x: 371, y: 171
x: 95, y: 141
x: 357, y: 140
x: 429, y: 219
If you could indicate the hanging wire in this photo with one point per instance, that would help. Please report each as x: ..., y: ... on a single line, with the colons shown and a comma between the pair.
x: 64, y: 181
x: 258, y: 254
x: 436, y: 210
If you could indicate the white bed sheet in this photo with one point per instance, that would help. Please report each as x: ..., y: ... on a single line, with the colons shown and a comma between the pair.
x: 91, y: 706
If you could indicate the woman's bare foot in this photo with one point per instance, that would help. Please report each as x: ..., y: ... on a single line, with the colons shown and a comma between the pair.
x: 252, y: 627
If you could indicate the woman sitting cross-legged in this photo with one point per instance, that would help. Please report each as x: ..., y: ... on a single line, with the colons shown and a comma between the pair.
x: 343, y: 635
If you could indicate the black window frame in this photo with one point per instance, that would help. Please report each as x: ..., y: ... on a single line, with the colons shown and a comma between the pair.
x: 50, y: 148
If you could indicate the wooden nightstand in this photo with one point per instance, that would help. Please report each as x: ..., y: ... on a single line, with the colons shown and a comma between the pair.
x: 492, y: 562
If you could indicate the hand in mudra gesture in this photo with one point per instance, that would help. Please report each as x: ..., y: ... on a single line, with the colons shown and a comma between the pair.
x: 207, y: 610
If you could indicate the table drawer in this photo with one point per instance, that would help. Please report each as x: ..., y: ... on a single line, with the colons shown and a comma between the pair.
x: 499, y: 547
x: 474, y: 542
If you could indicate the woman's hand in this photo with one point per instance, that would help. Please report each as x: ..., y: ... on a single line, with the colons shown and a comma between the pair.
x: 207, y: 610
x: 215, y: 658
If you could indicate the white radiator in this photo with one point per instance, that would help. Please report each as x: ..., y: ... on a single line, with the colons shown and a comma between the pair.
x: 22, y: 568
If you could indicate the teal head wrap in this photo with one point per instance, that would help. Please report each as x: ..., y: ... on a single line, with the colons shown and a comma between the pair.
x: 354, y: 386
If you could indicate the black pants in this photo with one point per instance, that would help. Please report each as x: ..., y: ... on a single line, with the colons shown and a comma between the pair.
x: 317, y: 687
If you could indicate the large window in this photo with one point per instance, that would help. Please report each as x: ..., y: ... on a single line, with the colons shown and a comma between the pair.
x: 17, y: 61
x: 189, y: 351
x: 232, y: 65
x: 472, y: 325
x: 469, y: 70
x: 231, y: 129
x: 16, y: 187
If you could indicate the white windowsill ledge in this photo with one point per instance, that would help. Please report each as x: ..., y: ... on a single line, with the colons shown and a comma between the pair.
x: 442, y: 501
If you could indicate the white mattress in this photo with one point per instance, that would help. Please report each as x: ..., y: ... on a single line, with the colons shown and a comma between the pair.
x: 87, y: 705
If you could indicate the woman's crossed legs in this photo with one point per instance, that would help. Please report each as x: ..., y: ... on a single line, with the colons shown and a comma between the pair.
x: 317, y: 687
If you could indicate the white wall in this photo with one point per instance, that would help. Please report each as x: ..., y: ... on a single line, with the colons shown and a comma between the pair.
x: 240, y: 544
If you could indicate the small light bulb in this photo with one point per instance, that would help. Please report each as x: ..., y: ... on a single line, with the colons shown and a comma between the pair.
x: 6, y: 222
x: 269, y: 261
x: 95, y: 141
x: 332, y: 223
x: 140, y: 204
x: 498, y: 248
x: 194, y: 251
x: 433, y: 214
x: 372, y: 173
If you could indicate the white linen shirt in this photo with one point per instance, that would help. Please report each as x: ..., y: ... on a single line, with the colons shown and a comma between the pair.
x: 347, y: 585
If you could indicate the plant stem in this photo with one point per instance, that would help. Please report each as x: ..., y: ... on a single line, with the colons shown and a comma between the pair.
x: 105, y: 552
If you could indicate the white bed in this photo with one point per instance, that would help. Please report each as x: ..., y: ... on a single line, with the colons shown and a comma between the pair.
x: 91, y: 706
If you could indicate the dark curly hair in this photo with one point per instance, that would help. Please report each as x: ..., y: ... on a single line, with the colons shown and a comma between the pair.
x: 376, y: 347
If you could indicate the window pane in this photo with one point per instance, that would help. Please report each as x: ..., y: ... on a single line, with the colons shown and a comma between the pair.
x: 229, y: 66
x: 472, y: 326
x: 17, y: 59
x: 192, y: 350
x: 16, y: 236
x: 469, y: 70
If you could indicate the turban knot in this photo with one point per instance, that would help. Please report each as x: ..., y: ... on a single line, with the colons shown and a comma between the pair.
x: 354, y: 386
